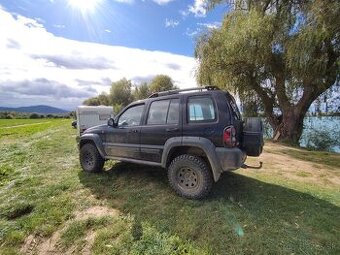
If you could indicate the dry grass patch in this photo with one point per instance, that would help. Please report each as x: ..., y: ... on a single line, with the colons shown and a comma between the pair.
x: 76, y: 236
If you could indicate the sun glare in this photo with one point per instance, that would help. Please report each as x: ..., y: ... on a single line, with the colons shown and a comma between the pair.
x: 85, y: 6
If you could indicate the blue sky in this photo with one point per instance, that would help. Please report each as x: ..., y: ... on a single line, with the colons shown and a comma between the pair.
x: 60, y: 52
x: 164, y: 25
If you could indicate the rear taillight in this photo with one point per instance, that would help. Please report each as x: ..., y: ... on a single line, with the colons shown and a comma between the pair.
x: 229, y: 136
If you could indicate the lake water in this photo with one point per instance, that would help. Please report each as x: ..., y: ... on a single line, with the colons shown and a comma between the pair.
x: 324, y: 131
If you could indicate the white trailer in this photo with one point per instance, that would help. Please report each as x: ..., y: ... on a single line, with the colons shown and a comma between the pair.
x: 90, y: 116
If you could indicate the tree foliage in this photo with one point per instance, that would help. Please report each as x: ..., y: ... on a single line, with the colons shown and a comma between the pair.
x: 120, y: 92
x: 102, y: 99
x: 161, y: 82
x: 141, y: 91
x: 123, y: 92
x: 284, y: 51
x: 93, y: 101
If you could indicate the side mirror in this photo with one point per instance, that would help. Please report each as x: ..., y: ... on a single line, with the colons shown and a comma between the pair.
x: 111, y: 122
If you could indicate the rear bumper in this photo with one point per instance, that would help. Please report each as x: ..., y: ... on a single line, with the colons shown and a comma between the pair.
x: 230, y: 158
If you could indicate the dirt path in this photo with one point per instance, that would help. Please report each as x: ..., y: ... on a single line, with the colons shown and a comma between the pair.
x: 277, y: 162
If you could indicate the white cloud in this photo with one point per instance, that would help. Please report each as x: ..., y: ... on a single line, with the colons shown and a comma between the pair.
x: 162, y: 2
x: 37, y: 67
x: 40, y: 20
x: 107, y: 30
x: 171, y: 23
x: 202, y: 27
x: 212, y: 25
x: 36, y: 23
x: 198, y: 8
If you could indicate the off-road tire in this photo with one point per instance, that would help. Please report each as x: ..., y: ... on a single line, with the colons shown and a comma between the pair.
x: 190, y: 176
x: 90, y: 159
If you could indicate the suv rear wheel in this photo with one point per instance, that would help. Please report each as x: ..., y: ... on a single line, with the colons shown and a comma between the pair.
x: 90, y: 159
x: 190, y: 176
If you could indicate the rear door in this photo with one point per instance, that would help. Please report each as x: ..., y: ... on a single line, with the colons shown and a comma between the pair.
x: 201, y: 119
x: 162, y: 122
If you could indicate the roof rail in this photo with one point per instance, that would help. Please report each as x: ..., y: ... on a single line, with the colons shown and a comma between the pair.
x: 177, y: 91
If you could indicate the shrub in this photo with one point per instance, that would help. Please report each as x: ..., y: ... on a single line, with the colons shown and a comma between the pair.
x: 34, y: 116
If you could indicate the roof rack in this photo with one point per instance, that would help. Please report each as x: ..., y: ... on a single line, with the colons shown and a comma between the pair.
x: 177, y: 91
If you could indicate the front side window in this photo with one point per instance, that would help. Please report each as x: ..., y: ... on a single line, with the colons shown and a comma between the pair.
x: 201, y: 109
x: 131, y: 117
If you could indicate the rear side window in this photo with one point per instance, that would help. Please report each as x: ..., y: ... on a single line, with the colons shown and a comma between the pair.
x: 201, y: 109
x: 163, y: 112
x: 234, y: 108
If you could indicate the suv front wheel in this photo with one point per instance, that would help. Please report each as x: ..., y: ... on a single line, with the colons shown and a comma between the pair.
x: 90, y: 159
x: 190, y: 176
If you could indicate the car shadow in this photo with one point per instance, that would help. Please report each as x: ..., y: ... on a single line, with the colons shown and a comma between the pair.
x: 241, y: 212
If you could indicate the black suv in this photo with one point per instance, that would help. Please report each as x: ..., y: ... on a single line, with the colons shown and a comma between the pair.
x: 196, y: 134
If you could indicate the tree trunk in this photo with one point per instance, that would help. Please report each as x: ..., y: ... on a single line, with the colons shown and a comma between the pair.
x: 290, y: 126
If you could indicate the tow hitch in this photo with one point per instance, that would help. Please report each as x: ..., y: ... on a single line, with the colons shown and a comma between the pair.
x: 252, y: 167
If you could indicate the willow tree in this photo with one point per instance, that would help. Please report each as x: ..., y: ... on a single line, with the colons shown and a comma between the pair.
x: 286, y: 52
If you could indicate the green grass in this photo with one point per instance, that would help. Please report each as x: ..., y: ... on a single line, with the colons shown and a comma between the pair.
x: 15, y: 128
x: 42, y: 188
x: 303, y: 174
x: 119, y: 239
x: 77, y: 229
x: 16, y: 122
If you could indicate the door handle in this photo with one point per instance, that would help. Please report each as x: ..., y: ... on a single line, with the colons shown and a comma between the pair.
x: 171, y: 129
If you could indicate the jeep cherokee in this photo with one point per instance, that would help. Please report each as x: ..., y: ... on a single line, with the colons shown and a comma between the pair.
x: 196, y: 134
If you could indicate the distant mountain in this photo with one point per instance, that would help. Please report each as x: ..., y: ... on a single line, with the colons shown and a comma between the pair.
x: 41, y: 109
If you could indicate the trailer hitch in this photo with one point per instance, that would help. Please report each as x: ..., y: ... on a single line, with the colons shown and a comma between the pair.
x: 252, y: 167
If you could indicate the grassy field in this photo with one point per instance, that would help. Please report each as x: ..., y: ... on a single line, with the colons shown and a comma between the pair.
x: 17, y: 122
x: 15, y: 128
x: 49, y: 206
